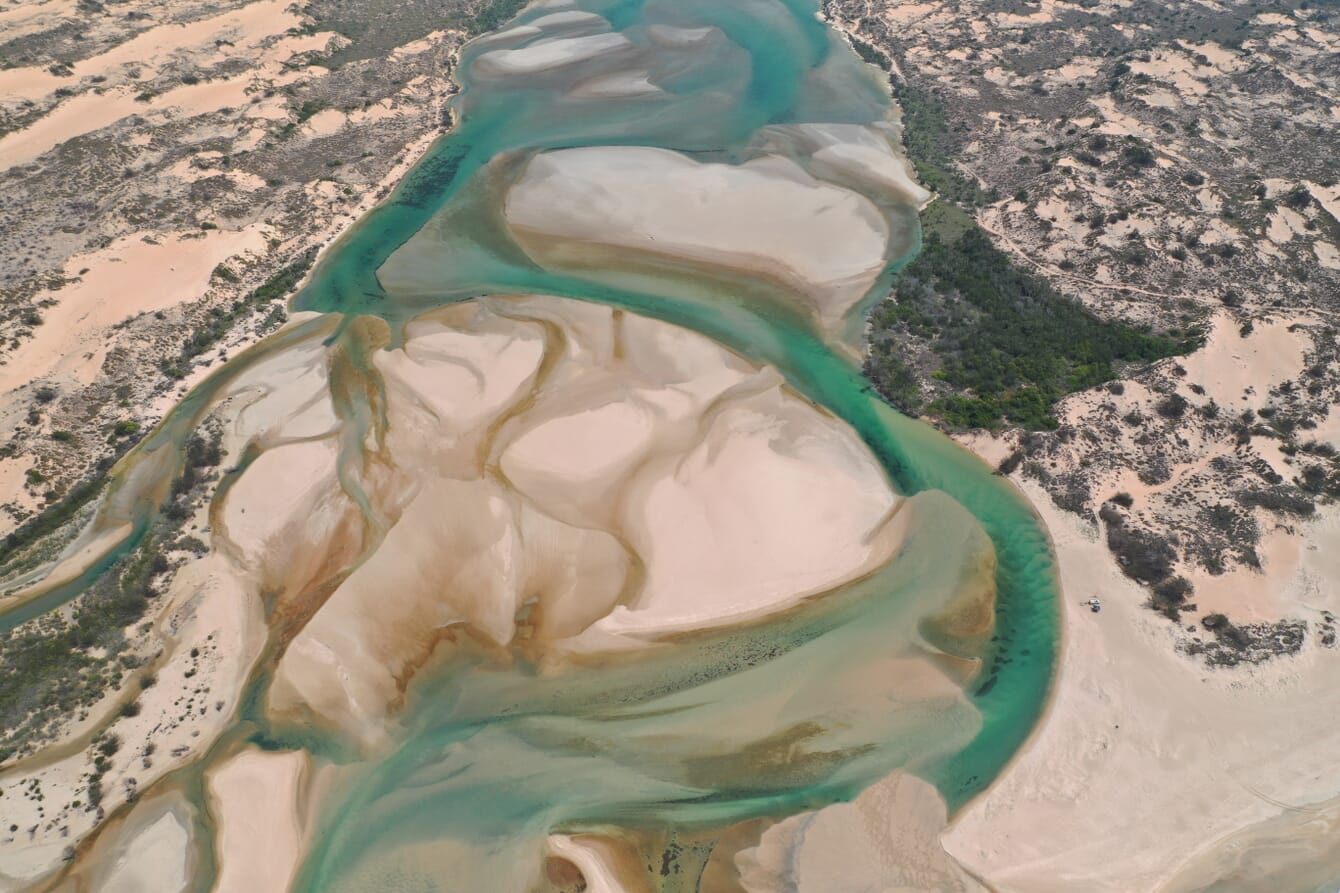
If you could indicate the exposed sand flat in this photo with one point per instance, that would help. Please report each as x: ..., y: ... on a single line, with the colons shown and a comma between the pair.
x: 731, y: 496
x: 590, y: 856
x: 149, y: 847
x: 128, y: 277
x: 569, y: 19
x: 547, y: 55
x: 885, y: 839
x: 1297, y: 850
x: 676, y: 38
x: 471, y: 565
x: 285, y: 397
x: 515, y: 34
x: 153, y: 850
x: 769, y: 506
x: 615, y: 85
x: 1140, y: 764
x: 767, y: 215
x: 254, y: 798
x: 284, y: 478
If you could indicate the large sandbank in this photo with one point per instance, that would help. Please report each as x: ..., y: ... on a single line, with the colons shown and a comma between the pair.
x: 767, y: 216
x: 618, y: 478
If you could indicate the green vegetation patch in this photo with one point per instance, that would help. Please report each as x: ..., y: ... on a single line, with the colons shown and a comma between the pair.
x: 220, y: 320
x: 1003, y: 343
x: 376, y: 27
x: 68, y: 659
x: 1004, y: 338
x: 929, y: 144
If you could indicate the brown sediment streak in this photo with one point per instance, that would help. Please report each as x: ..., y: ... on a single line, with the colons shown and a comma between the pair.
x: 358, y: 395
x: 758, y: 278
x: 556, y: 341
x: 141, y: 478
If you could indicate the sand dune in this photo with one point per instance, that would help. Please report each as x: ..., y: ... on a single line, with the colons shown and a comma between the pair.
x: 111, y: 286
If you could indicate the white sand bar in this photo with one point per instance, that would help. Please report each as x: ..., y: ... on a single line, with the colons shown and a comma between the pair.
x: 547, y: 55
x: 767, y: 216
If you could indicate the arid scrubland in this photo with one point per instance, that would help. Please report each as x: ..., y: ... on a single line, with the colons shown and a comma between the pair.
x: 169, y: 172
x: 1172, y: 169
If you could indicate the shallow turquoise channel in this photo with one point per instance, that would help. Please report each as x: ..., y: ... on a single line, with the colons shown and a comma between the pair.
x: 783, y: 66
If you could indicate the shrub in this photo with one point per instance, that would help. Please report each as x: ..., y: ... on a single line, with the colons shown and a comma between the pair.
x: 1172, y: 406
x: 1169, y: 597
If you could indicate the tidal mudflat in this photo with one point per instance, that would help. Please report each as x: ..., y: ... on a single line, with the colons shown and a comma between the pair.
x: 560, y: 543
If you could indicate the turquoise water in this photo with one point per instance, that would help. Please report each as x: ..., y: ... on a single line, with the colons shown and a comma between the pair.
x: 763, y: 721
x: 491, y: 759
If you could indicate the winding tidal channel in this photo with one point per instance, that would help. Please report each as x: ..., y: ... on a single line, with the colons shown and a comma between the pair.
x: 563, y: 543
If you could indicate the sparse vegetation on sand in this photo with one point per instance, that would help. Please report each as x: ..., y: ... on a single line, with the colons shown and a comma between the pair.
x: 63, y: 662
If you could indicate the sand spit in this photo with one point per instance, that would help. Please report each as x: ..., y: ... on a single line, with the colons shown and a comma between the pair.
x: 610, y: 480
x: 768, y: 216
x: 254, y: 798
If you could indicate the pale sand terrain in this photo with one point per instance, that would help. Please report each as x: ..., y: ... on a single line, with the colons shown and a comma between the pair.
x: 150, y: 848
x: 128, y: 277
x: 550, y: 54
x: 624, y: 477
x: 251, y: 30
x: 883, y: 840
x: 768, y: 216
x: 1149, y: 770
x: 254, y: 798
x: 158, y: 858
x: 866, y: 159
x: 246, y: 29
x: 1146, y: 759
x: 599, y: 865
x: 1239, y: 371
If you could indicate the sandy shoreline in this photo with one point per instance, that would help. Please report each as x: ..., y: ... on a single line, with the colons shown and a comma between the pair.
x: 1140, y: 760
